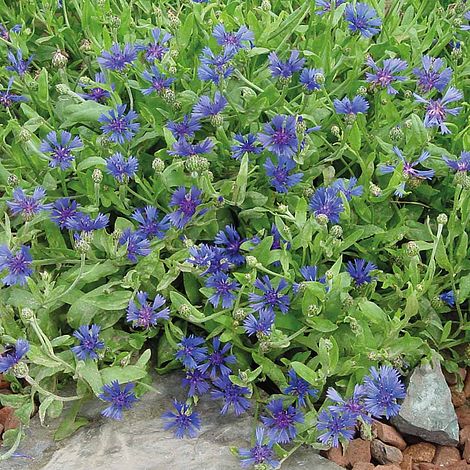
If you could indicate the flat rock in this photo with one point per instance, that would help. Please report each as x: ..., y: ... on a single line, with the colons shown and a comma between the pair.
x: 385, y: 454
x: 427, y: 410
x: 388, y: 434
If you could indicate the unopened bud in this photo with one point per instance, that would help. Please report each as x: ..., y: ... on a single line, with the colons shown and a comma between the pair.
x: 329, y: 275
x: 173, y: 19
x: 408, y: 94
x: 168, y: 95
x: 264, y: 346
x: 60, y: 59
x: 350, y: 118
x: 396, y: 134
x: 266, y: 5
x: 20, y: 370
x: 82, y: 245
x: 172, y: 70
x: 13, y: 180
x: 114, y: 21
x: 97, y: 176
x: 362, y: 91
x: 24, y: 135
x: 158, y: 165
x: 322, y: 219
x: 336, y: 231
x: 408, y: 123
x: 442, y: 219
x: 319, y: 78
x: 62, y: 89
x: 239, y: 314
x: 85, y: 45
x: 461, y: 178
x: 251, y: 261
x: 375, y: 190
x: 336, y: 131
x: 313, y: 310
x: 412, y: 249
x: 437, y: 303
x: 184, y: 310
x: 27, y: 314
x: 308, y: 192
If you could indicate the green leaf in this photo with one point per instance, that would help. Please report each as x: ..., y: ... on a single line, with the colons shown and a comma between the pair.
x: 88, y: 371
x: 122, y: 374
x: 373, y: 312
x: 271, y: 370
x: 305, y: 373
x: 239, y: 190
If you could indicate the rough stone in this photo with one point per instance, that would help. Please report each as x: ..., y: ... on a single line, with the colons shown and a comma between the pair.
x: 465, y: 434
x: 363, y: 466
x: 335, y: 454
x: 358, y: 451
x: 466, y: 451
x: 463, y: 415
x: 458, y: 396
x: 466, y: 388
x: 385, y: 454
x: 462, y: 465
x: 446, y: 455
x: 427, y: 466
x: 388, y: 434
x: 407, y: 463
x: 427, y: 410
x: 422, y: 452
x: 8, y: 419
x: 387, y: 467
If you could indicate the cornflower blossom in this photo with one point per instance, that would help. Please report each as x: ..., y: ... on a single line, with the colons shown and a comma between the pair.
x: 97, y: 93
x: 337, y: 426
x: 299, y: 388
x: 360, y: 271
x: 216, y: 360
x: 382, y: 389
x: 146, y: 314
x: 280, y: 136
x: 89, y: 342
x: 224, y: 289
x: 431, y: 75
x: 186, y: 204
x: 327, y: 5
x: 190, y: 352
x: 448, y: 297
x: 183, y: 148
x: 348, y: 188
x: 309, y: 77
x: 149, y: 224
x: 261, y: 326
x: 461, y: 164
x: 261, y: 453
x: 351, y: 107
x: 118, y: 126
x: 12, y: 356
x: 271, y: 297
x: 205, y: 108
x: 281, y: 421
x: 186, y: 128
x: 354, y: 406
x: 158, y: 81
x: 7, y: 98
x: 233, y: 41
x: 385, y: 76
x: 215, y: 67
x: 363, y: 19
x: 246, y: 144
x: 157, y: 49
x: 18, y: 265
x: 285, y: 70
x: 59, y: 147
x: 135, y: 243
x: 121, y: 168
x: 63, y: 210
x: 28, y: 206
x: 183, y: 422
x: 279, y: 175
x: 120, y: 398
x: 84, y: 223
x: 309, y: 273
x: 197, y: 383
x: 437, y: 110
x: 233, y: 395
x: 466, y: 16
x: 325, y: 202
x: 230, y: 241
x: 118, y: 59
x: 209, y: 258
x: 18, y: 64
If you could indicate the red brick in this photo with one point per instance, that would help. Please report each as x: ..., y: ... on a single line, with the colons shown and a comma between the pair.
x: 389, y: 435
x: 446, y: 455
x: 422, y: 452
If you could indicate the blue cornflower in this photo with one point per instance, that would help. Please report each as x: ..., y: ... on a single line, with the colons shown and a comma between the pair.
x: 385, y: 76
x: 308, y: 78
x: 145, y: 314
x: 97, y: 93
x: 353, y: 406
x: 261, y: 326
x: 431, y: 74
x: 271, y: 296
x: 360, y: 271
x: 217, y: 359
x: 7, y: 98
x: 210, y: 258
x: 247, y: 144
x: 327, y: 5
x: 11, y: 358
x: 183, y: 148
x: 278, y: 241
x: 448, y: 297
x: 18, y: 65
x: 382, y: 389
x: 157, y: 49
x: 285, y: 70
x: 205, y: 108
x: 186, y: 204
x: 261, y: 453
x: 119, y: 126
x: 117, y: 59
x: 280, y: 177
x: 362, y: 18
x: 351, y: 107
x: 120, y: 399
x: 409, y: 170
x: 348, y: 188
x: 121, y: 168
x: 325, y: 202
x: 63, y: 210
x: 215, y: 67
x: 336, y: 426
x: 190, y: 351
x: 158, y: 81
x: 224, y: 287
x: 466, y: 16
x: 280, y: 136
x: 241, y: 39
x: 84, y: 223
x: 281, y: 422
x: 437, y: 110
x: 230, y: 240
x: 28, y: 206
x: 136, y: 244
x: 184, y: 421
x: 196, y: 380
x: 309, y: 273
x: 149, y: 224
x: 299, y: 388
x: 60, y: 147
x: 462, y: 164
x: 89, y: 342
x: 231, y: 394
x: 186, y: 128
x: 17, y: 264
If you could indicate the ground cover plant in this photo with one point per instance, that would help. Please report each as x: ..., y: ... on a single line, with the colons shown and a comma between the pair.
x: 272, y: 196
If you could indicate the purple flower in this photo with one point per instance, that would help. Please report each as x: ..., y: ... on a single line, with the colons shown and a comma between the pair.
x: 231, y: 394
x: 308, y: 78
x: 360, y: 271
x: 326, y: 202
x: 281, y: 422
x: 117, y: 59
x: 118, y: 126
x: 186, y: 128
x: 84, y: 223
x: 362, y: 18
x: 209, y: 258
x: 157, y: 49
x: 18, y: 65
x: 60, y: 147
x: 197, y: 382
x: 261, y: 453
x: 217, y: 360
x: 448, y: 297
x: 299, y: 388
x: 280, y: 176
x: 280, y: 136
x: 63, y: 210
x: 7, y: 98
x: 28, y: 206
x: 136, y: 244
x: 186, y: 204
x: 184, y: 421
x: 336, y: 426
x: 466, y: 16
x: 277, y: 239
x: 190, y: 352
x: 345, y: 106
x: 13, y: 355
x: 382, y: 389
x: 385, y: 76
x: 353, y: 406
x: 158, y: 81
x: 120, y: 399
x: 224, y: 287
x: 89, y: 342
x: 149, y: 224
x: 183, y: 148
x: 241, y: 39
x: 121, y: 168
x: 437, y: 110
x: 215, y: 67
x: 205, y: 108
x: 462, y: 164
x: 431, y: 74
x: 145, y: 314
x: 327, y: 5
x: 247, y: 144
x: 409, y: 170
x: 271, y: 296
x: 97, y: 93
x: 348, y: 188
x: 259, y: 327
x: 309, y: 273
x: 285, y: 70
x: 230, y: 241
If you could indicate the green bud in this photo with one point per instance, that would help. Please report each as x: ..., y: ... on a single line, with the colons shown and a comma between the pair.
x: 313, y: 310
x: 168, y: 95
x: 60, y: 59
x: 362, y: 91
x: 408, y: 94
x: 82, y: 245
x: 408, y: 123
x: 62, y: 89
x: 264, y: 346
x: 172, y: 70
x: 184, y: 310
x: 24, y: 135
x: 13, y: 180
x: 266, y: 5
x: 375, y: 190
x: 336, y: 231
x: 20, y: 370
x: 412, y: 249
x: 26, y: 314
x: 173, y: 19
x: 86, y: 45
x: 97, y: 176
x: 251, y: 261
x: 437, y: 303
x: 329, y: 275
x: 461, y: 178
x: 308, y: 192
x: 336, y: 131
x: 350, y: 118
x: 322, y: 219
x: 239, y: 314
x: 117, y: 234
x: 284, y: 81
x: 396, y: 134
x: 319, y: 78
x: 442, y: 219
x: 114, y: 21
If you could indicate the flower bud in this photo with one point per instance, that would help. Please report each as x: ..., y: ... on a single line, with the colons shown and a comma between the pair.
x: 336, y: 131
x: 97, y: 176
x: 319, y: 78
x: 168, y: 95
x: 239, y: 314
x: 408, y: 123
x: 442, y: 219
x: 461, y: 178
x: 437, y: 303
x: 251, y: 261
x: 114, y: 21
x: 13, y: 180
x: 172, y: 70
x: 82, y: 245
x: 375, y: 190
x: 24, y: 135
x: 329, y: 275
x: 284, y: 81
x: 264, y: 346
x: 217, y: 120
x: 412, y: 249
x: 184, y: 310
x: 322, y: 219
x: 20, y: 370
x: 362, y: 91
x: 187, y: 242
x: 62, y: 89
x: 266, y: 5
x: 117, y: 234
x: 350, y: 118
x: 313, y: 310
x: 60, y: 59
x: 300, y: 125
x: 85, y: 45
x: 308, y: 192
x: 173, y: 19
x: 336, y: 231
x: 26, y: 314
x: 348, y: 301
x: 408, y: 94
x: 396, y: 134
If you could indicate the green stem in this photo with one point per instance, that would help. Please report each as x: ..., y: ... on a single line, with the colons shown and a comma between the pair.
x: 13, y: 448
x: 34, y: 384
